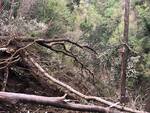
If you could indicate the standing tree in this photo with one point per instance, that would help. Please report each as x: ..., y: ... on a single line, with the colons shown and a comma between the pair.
x: 124, y: 52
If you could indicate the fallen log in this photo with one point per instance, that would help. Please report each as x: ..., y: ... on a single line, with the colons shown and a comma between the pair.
x: 58, y: 102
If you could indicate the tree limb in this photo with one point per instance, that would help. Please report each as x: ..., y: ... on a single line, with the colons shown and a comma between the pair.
x: 67, y: 53
x: 42, y: 40
x: 59, y: 102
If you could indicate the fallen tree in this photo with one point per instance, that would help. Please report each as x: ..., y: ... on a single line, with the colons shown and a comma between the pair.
x: 59, y: 102
x: 17, y: 48
x: 48, y: 77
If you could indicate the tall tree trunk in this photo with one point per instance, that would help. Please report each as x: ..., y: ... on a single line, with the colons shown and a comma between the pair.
x: 124, y: 52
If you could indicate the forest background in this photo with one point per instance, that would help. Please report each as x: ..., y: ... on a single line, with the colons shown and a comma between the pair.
x: 98, y: 24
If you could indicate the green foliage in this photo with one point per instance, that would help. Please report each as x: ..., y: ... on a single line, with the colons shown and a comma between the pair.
x: 109, y: 31
x: 139, y: 39
x: 103, y: 32
x: 72, y: 4
x: 102, y: 25
x: 7, y: 6
x: 143, y: 32
x: 86, y: 25
x: 56, y: 12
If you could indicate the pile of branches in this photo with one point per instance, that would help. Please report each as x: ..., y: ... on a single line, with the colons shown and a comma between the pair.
x: 15, y: 50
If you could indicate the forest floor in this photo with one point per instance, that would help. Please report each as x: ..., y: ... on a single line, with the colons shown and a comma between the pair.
x: 25, y: 83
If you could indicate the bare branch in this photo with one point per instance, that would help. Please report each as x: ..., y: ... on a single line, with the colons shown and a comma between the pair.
x: 10, y: 63
x: 12, y: 59
x: 67, y: 53
x: 42, y: 40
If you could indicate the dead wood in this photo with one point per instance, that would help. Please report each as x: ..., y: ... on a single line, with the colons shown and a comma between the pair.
x: 59, y: 102
x: 40, y: 40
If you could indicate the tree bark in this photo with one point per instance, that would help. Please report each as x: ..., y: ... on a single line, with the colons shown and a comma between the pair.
x: 59, y: 102
x: 124, y: 53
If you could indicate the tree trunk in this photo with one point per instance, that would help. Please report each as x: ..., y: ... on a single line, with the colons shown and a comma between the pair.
x: 124, y: 53
x: 59, y: 102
